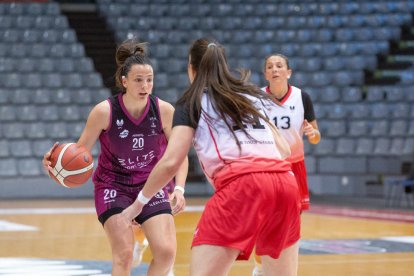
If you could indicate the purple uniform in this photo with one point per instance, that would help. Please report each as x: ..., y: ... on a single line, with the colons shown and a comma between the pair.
x: 130, y: 148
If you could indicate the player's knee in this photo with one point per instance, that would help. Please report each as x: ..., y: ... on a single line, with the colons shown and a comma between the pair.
x: 166, y: 254
x: 123, y: 258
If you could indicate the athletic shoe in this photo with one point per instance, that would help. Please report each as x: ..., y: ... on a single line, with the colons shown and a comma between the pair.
x: 139, y: 249
x: 257, y: 272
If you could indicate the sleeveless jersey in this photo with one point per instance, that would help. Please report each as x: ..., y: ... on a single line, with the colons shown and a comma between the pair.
x: 218, y: 152
x: 288, y: 116
x: 130, y: 147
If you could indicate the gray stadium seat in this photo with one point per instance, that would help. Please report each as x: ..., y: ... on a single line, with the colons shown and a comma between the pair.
x: 345, y: 146
x: 21, y: 96
x: 20, y: 148
x: 29, y: 167
x: 358, y: 128
x: 69, y: 113
x: 7, y: 113
x: 4, y: 148
x: 36, y: 130
x: 39, y: 147
x: 27, y: 113
x: 48, y: 112
x: 8, y: 167
x: 379, y: 128
x: 56, y: 130
x: 397, y: 146
x: 325, y: 147
x: 382, y: 146
x: 364, y: 146
x: 398, y: 128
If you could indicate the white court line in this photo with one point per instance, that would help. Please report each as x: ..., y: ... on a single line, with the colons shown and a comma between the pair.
x: 59, y: 211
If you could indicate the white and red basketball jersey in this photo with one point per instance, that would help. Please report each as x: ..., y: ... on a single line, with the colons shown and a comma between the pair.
x: 288, y: 116
x: 217, y: 149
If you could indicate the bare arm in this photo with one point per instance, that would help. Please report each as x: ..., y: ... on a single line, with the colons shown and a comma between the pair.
x: 167, y: 112
x: 97, y: 121
x: 167, y: 167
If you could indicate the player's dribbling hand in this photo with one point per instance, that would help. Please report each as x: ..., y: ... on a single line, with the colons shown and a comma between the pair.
x: 46, y: 159
x: 177, y: 201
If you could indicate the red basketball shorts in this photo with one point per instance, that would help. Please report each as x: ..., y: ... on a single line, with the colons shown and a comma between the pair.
x: 259, y: 209
x: 299, y: 169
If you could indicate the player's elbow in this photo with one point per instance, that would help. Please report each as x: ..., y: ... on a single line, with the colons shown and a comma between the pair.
x: 171, y: 164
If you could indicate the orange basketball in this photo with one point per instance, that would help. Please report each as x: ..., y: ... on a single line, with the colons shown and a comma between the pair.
x: 72, y: 165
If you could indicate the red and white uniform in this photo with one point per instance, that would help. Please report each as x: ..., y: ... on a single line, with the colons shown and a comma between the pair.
x: 250, y: 184
x: 289, y: 115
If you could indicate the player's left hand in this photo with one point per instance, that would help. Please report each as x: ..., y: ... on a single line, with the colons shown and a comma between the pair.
x: 177, y: 202
x: 308, y: 130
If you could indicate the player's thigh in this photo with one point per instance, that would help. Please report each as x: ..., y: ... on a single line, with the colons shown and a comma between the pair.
x: 286, y: 264
x: 160, y: 232
x: 119, y: 232
x: 207, y: 260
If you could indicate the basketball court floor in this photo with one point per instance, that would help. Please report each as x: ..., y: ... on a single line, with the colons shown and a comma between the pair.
x: 63, y: 237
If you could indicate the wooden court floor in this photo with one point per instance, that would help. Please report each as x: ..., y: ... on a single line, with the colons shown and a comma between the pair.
x: 69, y: 230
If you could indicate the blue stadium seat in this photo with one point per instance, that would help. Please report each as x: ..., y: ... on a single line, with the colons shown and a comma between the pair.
x: 335, y: 128
x: 24, y: 22
x: 56, y: 130
x: 345, y: 146
x: 329, y: 94
x: 13, y: 131
x: 4, y: 148
x: 41, y: 96
x: 358, y: 128
x: 398, y: 128
x: 408, y: 148
x: 379, y: 110
x: 397, y: 146
x: 325, y: 147
x: 380, y: 128
x: 400, y: 110
x: 33, y: 81
x: 376, y: 94
x: 69, y: 113
x: 8, y: 167
x: 364, y: 146
x: 39, y: 147
x: 35, y: 130
x: 27, y: 113
x: 382, y: 146
x: 29, y: 167
x: 48, y: 112
x: 351, y: 94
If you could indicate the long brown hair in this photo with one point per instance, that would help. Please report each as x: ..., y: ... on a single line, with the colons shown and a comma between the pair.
x: 226, y: 91
x: 128, y: 53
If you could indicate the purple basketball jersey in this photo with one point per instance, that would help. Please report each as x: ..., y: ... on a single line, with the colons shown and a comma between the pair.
x: 130, y: 147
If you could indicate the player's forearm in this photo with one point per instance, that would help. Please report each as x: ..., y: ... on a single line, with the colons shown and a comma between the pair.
x: 182, y: 173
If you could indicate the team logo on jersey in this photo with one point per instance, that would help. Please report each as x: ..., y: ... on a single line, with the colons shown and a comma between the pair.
x: 120, y: 122
x: 160, y: 194
x: 153, y: 119
x: 292, y: 107
x: 124, y: 133
x: 153, y: 132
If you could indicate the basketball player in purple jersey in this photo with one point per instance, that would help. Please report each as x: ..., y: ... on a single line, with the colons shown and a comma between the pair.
x: 294, y: 116
x: 133, y: 128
